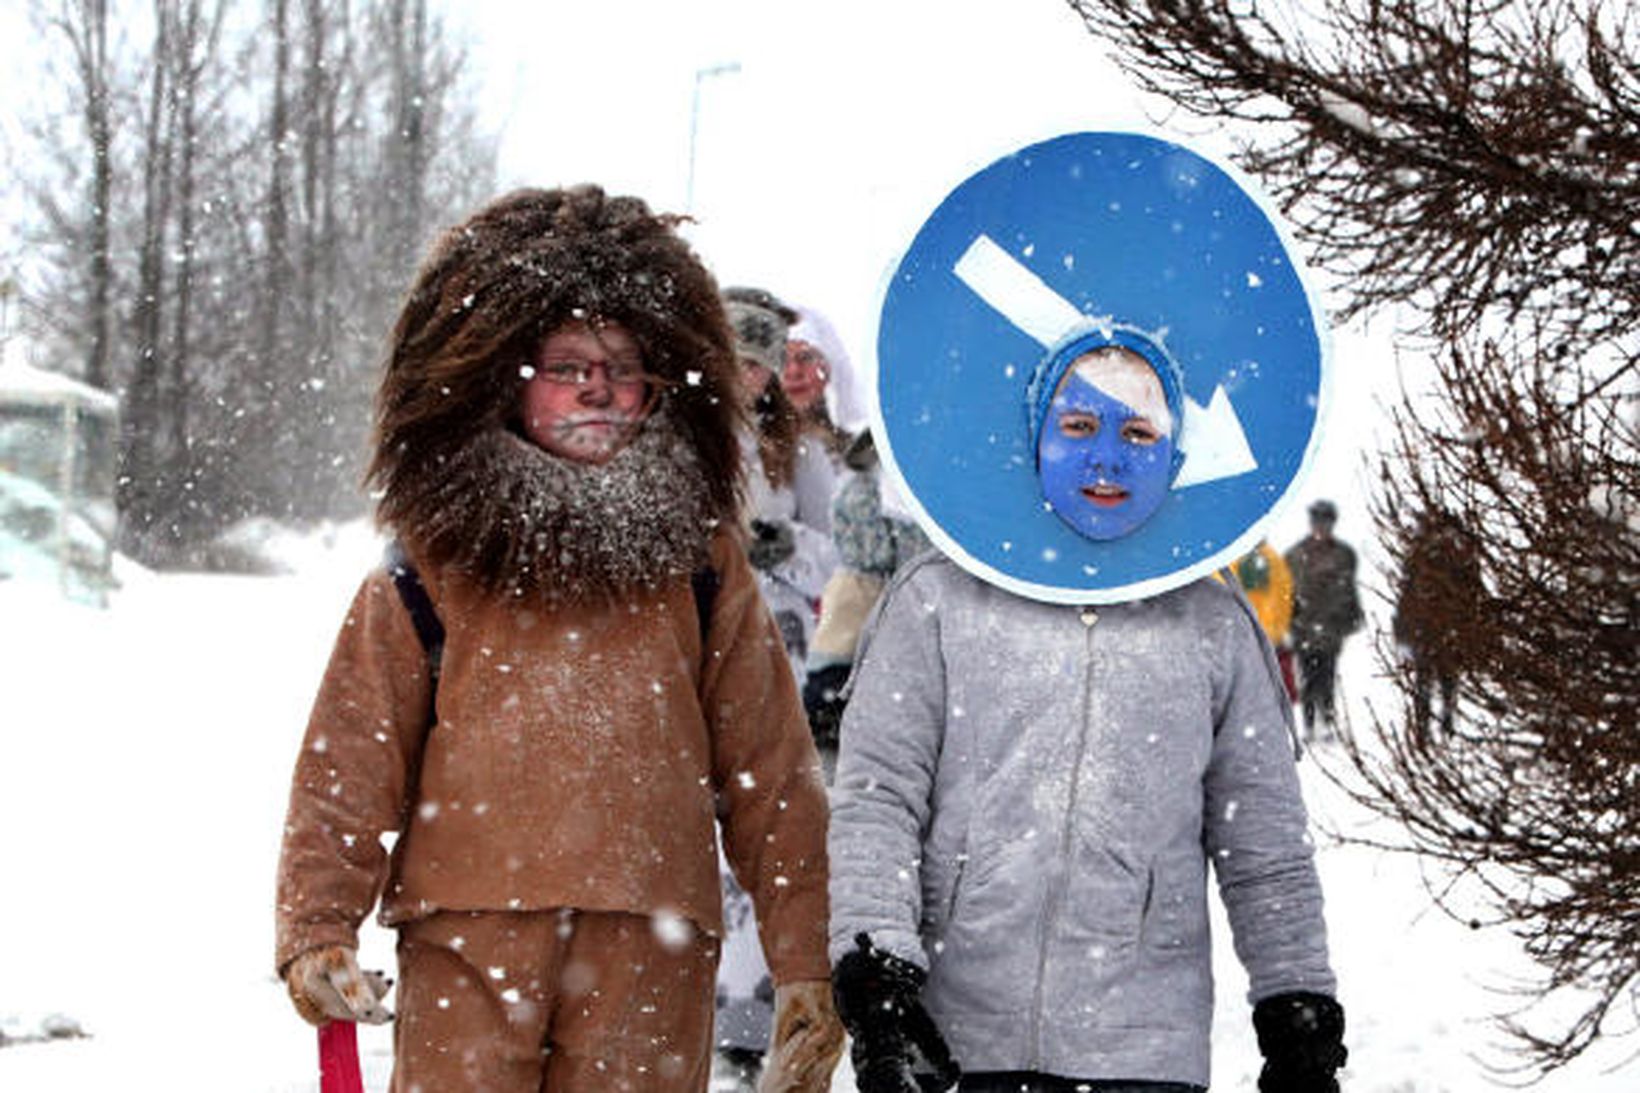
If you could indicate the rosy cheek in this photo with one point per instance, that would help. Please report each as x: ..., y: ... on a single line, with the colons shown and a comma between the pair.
x: 538, y: 406
x: 532, y: 394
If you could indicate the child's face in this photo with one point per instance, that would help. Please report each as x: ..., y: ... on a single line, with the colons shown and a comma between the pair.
x: 805, y: 374
x: 1105, y: 456
x: 754, y: 380
x: 586, y: 393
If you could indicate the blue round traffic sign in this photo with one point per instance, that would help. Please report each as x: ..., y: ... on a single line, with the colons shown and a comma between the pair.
x: 1106, y: 237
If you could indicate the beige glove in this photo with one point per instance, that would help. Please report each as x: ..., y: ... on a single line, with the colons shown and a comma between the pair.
x: 807, y: 1040
x: 325, y: 984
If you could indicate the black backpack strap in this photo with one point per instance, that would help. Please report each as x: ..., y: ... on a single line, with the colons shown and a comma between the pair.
x: 414, y: 595
x: 704, y: 582
x: 430, y: 629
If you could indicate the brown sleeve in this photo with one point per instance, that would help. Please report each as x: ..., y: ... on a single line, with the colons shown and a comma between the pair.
x: 771, y: 799
x: 363, y: 740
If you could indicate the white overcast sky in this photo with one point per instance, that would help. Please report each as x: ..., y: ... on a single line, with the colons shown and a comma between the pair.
x: 844, y: 125
x: 815, y: 161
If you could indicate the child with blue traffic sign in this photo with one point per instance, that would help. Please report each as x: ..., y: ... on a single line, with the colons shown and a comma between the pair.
x: 1059, y: 724
x: 1106, y: 441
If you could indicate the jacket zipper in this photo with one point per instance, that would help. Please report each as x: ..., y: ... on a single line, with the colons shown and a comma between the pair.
x: 956, y: 887
x: 1051, y: 905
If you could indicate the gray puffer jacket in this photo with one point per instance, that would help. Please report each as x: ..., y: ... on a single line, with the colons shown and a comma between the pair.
x: 1026, y: 802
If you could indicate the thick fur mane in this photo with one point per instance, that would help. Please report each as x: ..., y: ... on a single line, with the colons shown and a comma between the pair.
x: 491, y: 289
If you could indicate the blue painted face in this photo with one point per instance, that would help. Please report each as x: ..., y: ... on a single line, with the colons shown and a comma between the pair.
x: 1105, y: 461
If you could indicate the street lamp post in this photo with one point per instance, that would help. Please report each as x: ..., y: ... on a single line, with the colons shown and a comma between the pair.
x: 701, y: 75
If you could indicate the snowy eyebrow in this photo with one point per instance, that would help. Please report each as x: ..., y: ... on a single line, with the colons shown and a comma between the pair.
x: 1022, y: 297
x: 1132, y: 383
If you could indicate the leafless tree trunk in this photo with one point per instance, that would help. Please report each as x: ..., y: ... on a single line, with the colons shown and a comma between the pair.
x: 139, y: 423
x: 85, y: 26
x: 196, y: 52
x: 407, y: 142
x: 278, y: 285
x: 284, y: 181
x: 322, y: 66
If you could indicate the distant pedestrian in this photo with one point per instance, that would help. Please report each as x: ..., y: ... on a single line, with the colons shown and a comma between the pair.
x: 1439, y: 595
x: 790, y: 480
x: 805, y: 380
x: 1326, y: 610
x: 1268, y: 583
x: 790, y: 475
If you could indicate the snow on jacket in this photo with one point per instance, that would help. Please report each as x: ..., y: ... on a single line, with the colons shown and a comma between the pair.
x: 1025, y: 805
x: 579, y: 757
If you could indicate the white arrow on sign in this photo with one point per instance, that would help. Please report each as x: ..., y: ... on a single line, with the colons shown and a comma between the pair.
x: 1212, y: 439
x: 1213, y: 442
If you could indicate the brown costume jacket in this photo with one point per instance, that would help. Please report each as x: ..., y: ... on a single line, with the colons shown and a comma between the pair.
x: 577, y: 758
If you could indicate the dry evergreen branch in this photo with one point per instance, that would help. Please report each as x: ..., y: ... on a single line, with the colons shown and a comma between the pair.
x: 1469, y: 157
x: 1478, y: 163
x: 1535, y: 791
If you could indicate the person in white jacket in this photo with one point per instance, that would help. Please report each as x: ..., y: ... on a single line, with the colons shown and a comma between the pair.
x: 790, y: 479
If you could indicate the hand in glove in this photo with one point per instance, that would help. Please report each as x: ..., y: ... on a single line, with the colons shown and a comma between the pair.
x: 772, y: 542
x: 1301, y: 1036
x: 807, y: 1040
x: 823, y: 702
x: 325, y: 984
x: 897, y: 1048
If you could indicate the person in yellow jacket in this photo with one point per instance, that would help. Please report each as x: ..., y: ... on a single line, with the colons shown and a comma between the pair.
x: 1268, y: 583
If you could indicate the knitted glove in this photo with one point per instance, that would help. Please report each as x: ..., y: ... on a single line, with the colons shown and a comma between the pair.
x: 325, y: 984
x: 1301, y: 1036
x: 807, y: 1040
x: 896, y: 1047
x: 823, y: 702
x: 772, y: 543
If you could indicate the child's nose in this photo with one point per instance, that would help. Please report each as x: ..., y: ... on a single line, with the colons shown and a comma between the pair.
x: 1106, y: 457
x: 595, y: 389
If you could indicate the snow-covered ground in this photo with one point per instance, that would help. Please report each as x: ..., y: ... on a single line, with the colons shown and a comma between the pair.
x: 144, y: 753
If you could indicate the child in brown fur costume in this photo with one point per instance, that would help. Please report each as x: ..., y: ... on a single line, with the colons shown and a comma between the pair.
x: 556, y: 452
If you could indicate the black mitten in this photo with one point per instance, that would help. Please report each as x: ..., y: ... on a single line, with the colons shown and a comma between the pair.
x: 1301, y: 1036
x: 896, y: 1046
x: 823, y: 702
x: 772, y: 542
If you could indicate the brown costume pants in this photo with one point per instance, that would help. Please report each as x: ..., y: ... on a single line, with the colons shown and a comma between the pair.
x: 551, y: 1002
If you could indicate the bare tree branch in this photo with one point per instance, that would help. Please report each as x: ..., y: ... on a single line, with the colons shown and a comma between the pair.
x: 1478, y: 162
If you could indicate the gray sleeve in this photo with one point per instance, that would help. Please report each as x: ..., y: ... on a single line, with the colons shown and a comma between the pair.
x: 891, y: 737
x: 1256, y: 829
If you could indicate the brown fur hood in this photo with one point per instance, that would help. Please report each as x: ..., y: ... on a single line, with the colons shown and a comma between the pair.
x: 447, y: 411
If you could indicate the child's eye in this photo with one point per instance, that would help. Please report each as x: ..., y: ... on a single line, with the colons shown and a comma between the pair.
x: 1140, y: 431
x: 564, y: 372
x: 1078, y: 425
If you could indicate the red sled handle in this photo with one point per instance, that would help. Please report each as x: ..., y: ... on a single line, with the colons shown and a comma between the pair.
x: 339, y: 1058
